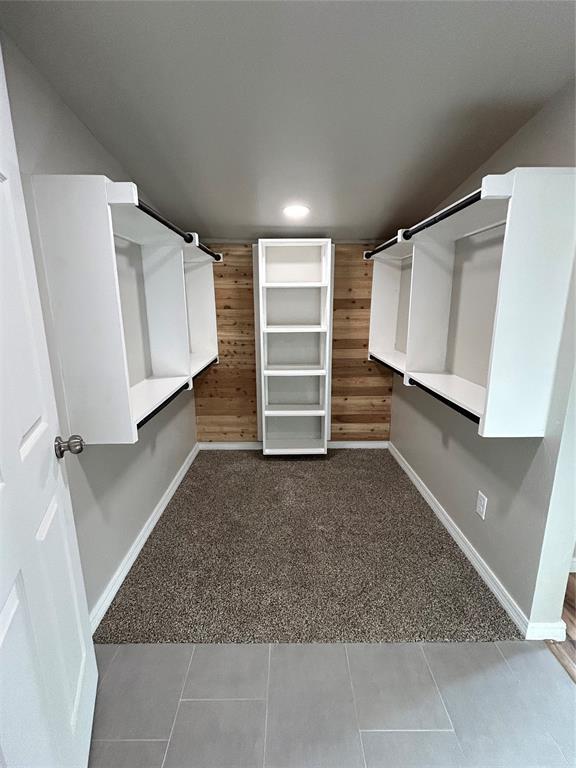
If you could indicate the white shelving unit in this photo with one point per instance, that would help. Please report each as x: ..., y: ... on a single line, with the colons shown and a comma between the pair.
x: 504, y: 380
x: 293, y: 295
x: 127, y: 338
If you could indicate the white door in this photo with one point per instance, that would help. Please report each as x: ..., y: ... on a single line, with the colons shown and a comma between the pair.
x: 47, y: 665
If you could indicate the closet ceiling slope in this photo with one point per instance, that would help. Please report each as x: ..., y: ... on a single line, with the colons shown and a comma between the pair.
x: 157, y: 83
x: 414, y: 328
x: 127, y: 334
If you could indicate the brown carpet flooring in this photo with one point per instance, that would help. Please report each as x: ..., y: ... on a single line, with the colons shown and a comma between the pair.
x: 330, y: 549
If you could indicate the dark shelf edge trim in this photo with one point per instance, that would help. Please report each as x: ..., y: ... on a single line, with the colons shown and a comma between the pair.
x: 163, y: 405
x: 386, y: 365
x: 458, y: 408
x: 205, y: 368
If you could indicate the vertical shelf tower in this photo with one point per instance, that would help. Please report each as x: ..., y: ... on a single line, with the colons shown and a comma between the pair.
x: 294, y: 286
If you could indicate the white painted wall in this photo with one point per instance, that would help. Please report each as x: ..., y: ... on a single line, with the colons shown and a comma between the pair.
x: 518, y: 476
x: 115, y: 489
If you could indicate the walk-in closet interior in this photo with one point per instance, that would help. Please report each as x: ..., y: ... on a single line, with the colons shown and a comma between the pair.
x: 287, y: 397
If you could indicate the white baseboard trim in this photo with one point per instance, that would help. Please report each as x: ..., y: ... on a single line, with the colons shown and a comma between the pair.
x: 530, y: 630
x: 105, y: 599
x: 380, y: 444
x: 257, y: 446
x: 540, y: 630
x: 247, y: 446
x: 573, y: 565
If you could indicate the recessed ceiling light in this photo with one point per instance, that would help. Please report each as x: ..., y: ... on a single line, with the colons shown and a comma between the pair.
x: 296, y: 211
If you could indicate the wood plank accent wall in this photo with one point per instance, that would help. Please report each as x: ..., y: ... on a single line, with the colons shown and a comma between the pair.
x: 226, y: 393
x: 361, y: 389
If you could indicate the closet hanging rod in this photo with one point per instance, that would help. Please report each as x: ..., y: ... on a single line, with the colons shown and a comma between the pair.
x: 163, y: 405
x: 407, y: 234
x: 205, y: 249
x: 188, y: 237
x: 382, y: 247
x: 458, y: 408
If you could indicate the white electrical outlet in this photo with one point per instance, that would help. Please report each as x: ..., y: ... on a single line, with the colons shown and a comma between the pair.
x: 481, y: 504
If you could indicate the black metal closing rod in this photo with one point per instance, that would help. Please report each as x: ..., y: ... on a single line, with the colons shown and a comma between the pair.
x: 449, y: 403
x: 205, y: 249
x: 407, y: 234
x: 392, y: 241
x: 474, y: 197
x: 186, y: 236
x: 163, y: 405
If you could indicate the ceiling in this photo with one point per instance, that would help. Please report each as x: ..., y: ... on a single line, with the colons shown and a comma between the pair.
x: 370, y: 112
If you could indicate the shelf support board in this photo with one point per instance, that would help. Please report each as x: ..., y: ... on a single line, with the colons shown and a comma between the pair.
x: 205, y: 368
x: 386, y: 365
x: 458, y: 408
x: 163, y: 405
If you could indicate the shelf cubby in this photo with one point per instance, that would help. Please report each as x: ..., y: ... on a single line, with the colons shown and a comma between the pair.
x: 295, y: 261
x: 293, y: 294
x: 294, y: 306
x: 294, y: 351
x: 294, y: 435
x: 295, y: 393
x: 115, y: 278
x: 486, y: 302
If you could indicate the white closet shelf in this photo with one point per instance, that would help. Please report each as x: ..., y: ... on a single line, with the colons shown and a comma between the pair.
x: 148, y: 394
x: 132, y: 224
x: 294, y: 409
x: 394, y: 358
x: 296, y: 285
x: 286, y: 370
x: 461, y: 392
x: 483, y: 215
x: 396, y: 252
x: 295, y: 329
x: 294, y: 445
x: 200, y: 359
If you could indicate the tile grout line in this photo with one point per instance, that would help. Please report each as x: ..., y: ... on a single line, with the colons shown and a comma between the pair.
x: 559, y: 748
x: 497, y: 644
x: 113, y: 741
x: 178, y: 707
x: 266, y: 706
x: 354, y: 704
x: 406, y: 730
x: 184, y: 698
x: 519, y: 682
x: 452, y: 730
x: 105, y: 675
x: 458, y: 742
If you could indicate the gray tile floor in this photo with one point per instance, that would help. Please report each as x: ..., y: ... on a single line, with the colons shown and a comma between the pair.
x: 443, y: 705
